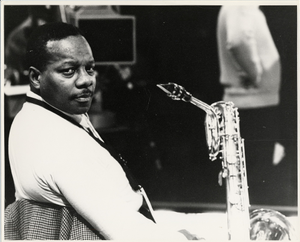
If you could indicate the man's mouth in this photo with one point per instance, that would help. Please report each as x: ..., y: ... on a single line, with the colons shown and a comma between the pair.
x: 84, y: 97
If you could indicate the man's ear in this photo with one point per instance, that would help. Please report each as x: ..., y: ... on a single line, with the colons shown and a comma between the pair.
x: 34, y: 77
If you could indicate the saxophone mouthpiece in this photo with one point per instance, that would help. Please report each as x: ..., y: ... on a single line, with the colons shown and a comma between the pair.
x: 175, y: 91
x: 165, y: 87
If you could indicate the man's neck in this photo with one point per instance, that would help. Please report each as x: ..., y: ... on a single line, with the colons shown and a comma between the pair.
x: 37, y: 95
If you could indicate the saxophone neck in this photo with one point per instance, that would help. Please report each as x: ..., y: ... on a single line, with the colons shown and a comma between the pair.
x: 177, y: 92
x: 204, y: 106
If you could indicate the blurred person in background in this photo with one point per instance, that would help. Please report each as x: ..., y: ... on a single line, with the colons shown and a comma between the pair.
x: 16, y: 42
x: 250, y: 72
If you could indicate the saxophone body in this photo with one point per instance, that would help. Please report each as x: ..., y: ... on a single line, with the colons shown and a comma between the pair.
x: 224, y: 142
x: 232, y: 156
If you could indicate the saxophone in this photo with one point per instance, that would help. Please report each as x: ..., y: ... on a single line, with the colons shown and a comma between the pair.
x: 224, y: 142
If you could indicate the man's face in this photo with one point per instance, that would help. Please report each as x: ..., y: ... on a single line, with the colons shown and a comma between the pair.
x: 68, y: 81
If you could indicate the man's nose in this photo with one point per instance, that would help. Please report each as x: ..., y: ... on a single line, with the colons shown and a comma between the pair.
x: 85, y: 80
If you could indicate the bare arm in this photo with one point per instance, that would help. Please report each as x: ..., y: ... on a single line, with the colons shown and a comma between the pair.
x: 242, y: 45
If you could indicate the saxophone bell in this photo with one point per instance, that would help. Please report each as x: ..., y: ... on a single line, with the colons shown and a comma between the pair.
x: 268, y: 224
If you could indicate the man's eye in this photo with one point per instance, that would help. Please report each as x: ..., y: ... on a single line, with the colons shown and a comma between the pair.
x: 90, y: 70
x: 68, y: 72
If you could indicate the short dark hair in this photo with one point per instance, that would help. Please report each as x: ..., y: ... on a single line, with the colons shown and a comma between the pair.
x: 36, y: 53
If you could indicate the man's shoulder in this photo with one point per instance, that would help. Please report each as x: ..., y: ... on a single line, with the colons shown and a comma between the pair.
x: 38, y: 118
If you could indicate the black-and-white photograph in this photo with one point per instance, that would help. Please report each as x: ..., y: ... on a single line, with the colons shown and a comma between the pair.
x: 147, y: 121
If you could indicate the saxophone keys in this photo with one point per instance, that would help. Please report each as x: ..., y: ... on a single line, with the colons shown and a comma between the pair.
x: 222, y: 174
x: 220, y: 179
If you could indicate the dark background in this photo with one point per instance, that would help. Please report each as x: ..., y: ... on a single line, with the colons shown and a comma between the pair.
x: 164, y: 140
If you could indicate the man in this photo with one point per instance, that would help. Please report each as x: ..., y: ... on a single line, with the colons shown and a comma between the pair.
x: 56, y: 155
x: 250, y: 71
